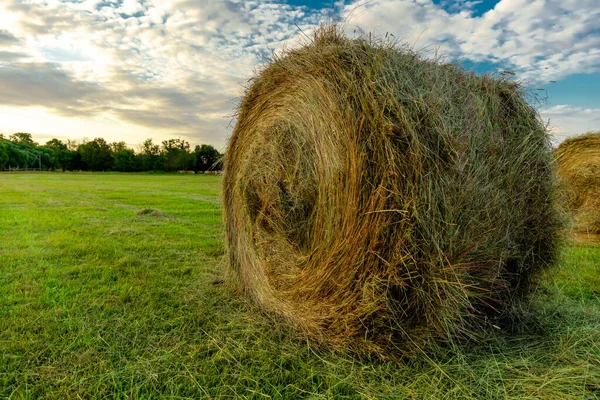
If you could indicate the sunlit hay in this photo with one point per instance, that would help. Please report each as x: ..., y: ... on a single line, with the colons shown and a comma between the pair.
x: 380, y: 202
x: 579, y: 175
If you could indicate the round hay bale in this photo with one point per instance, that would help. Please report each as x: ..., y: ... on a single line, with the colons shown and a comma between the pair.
x: 380, y: 201
x: 578, y: 161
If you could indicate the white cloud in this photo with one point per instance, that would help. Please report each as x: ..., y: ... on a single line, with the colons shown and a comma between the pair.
x: 131, y: 7
x: 177, y: 67
x: 172, y: 66
x: 566, y: 120
x: 540, y: 39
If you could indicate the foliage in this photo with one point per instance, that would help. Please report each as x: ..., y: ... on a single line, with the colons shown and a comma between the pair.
x: 150, y: 156
x: 97, y: 154
x: 57, y: 144
x: 177, y: 156
x: 116, y: 147
x: 3, y: 154
x: 17, y: 153
x: 20, y: 151
x: 207, y: 158
x: 23, y: 138
x: 125, y: 160
x: 100, y: 302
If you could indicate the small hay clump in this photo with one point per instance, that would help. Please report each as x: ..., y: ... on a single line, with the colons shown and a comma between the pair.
x: 152, y: 212
x: 381, y: 202
x: 578, y: 161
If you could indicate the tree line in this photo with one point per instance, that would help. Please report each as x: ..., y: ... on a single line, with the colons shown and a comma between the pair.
x: 19, y: 150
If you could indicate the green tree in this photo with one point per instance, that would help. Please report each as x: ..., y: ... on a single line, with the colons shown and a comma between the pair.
x: 206, y: 158
x: 148, y: 147
x: 176, y: 144
x: 3, y: 154
x: 97, y: 155
x: 60, y: 154
x: 125, y: 161
x: 73, y: 145
x: 150, y: 157
x: 19, y: 155
x: 23, y: 138
x: 176, y: 155
x: 48, y: 156
x: 118, y: 146
x: 57, y: 144
x: 75, y: 161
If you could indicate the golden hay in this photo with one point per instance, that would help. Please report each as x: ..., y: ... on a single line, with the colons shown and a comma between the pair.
x: 378, y: 201
x: 578, y: 161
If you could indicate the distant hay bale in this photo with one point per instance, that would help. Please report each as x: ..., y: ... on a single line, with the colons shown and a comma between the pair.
x: 152, y: 212
x: 186, y: 172
x: 380, y: 202
x: 579, y: 175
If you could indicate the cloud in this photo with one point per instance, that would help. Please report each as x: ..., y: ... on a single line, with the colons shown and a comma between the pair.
x: 540, y: 39
x: 45, y: 84
x: 7, y: 38
x: 42, y: 18
x: 9, y: 56
x: 566, y: 120
x: 179, y: 66
x: 175, y: 66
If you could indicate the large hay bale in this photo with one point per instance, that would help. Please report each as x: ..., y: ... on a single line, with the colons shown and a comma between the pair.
x: 579, y: 175
x: 377, y: 200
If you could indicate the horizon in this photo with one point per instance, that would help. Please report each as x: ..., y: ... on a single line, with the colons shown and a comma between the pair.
x: 83, y: 140
x: 128, y: 70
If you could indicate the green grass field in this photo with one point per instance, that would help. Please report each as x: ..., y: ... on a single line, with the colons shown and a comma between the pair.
x: 101, y: 299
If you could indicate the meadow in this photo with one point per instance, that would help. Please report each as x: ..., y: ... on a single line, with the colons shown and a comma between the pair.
x: 112, y: 286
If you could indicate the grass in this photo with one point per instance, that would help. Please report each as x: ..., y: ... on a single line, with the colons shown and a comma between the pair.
x: 101, y: 299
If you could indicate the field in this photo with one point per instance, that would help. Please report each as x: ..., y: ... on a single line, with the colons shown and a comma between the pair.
x: 111, y: 286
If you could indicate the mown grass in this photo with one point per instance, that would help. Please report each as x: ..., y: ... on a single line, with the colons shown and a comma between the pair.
x: 111, y: 287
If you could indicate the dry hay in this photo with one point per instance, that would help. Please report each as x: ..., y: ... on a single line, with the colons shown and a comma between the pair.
x: 152, y: 212
x: 579, y: 175
x: 379, y: 201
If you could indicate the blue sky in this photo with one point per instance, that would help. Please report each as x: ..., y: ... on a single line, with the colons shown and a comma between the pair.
x: 478, y: 8
x: 136, y: 69
x: 315, y: 4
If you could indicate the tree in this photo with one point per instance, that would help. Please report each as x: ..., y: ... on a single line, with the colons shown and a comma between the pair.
x: 150, y: 157
x: 19, y: 155
x: 74, y: 144
x: 118, y: 146
x: 125, y: 161
x: 149, y: 148
x: 60, y: 155
x: 206, y: 158
x: 176, y: 144
x: 3, y: 154
x: 75, y: 161
x: 97, y: 155
x: 57, y: 144
x: 23, y: 138
x: 177, y: 156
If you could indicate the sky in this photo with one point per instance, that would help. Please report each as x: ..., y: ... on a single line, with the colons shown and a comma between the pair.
x: 128, y: 70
